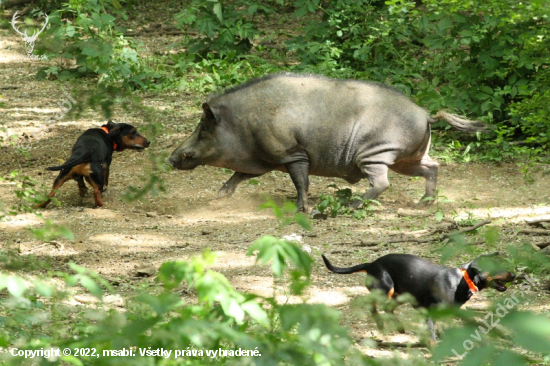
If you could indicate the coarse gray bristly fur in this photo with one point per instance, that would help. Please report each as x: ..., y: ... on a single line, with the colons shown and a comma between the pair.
x: 252, y: 82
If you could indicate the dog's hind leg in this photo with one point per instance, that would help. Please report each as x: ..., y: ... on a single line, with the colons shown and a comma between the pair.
x: 96, y: 180
x: 64, y: 175
x: 385, y: 283
x: 105, y: 176
x: 81, y: 186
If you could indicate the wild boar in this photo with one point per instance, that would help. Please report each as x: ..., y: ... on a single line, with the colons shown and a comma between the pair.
x: 307, y: 124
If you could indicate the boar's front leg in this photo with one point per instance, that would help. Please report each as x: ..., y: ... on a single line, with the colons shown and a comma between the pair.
x: 229, y: 187
x: 299, y: 173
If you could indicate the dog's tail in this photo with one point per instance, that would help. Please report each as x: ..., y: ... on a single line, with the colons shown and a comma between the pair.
x: 348, y: 270
x: 72, y: 162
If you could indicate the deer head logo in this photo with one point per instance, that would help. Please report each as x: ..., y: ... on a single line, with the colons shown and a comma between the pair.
x: 29, y: 40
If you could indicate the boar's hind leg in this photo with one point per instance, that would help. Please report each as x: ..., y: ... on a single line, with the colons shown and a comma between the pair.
x: 378, y: 178
x: 229, y: 187
x: 426, y: 168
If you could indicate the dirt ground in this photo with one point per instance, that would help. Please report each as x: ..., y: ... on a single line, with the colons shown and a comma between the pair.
x: 126, y: 239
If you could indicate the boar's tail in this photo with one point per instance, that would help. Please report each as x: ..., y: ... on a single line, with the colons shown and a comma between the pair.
x: 358, y: 268
x: 460, y: 123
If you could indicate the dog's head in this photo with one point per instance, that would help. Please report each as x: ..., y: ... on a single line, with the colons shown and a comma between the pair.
x: 488, y: 270
x: 125, y: 136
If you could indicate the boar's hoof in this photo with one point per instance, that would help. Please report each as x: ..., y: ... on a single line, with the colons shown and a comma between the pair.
x: 355, y: 205
x: 225, y: 191
x: 318, y: 215
x: 426, y: 201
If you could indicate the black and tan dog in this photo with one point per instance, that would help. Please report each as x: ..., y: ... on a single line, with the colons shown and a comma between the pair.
x: 91, y: 158
x: 431, y: 284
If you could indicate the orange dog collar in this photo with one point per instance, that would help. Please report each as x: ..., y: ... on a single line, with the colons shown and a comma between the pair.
x: 469, y: 281
x: 107, y: 132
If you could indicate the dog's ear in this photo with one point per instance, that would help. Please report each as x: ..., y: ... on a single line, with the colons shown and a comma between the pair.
x: 114, y: 134
x: 110, y: 125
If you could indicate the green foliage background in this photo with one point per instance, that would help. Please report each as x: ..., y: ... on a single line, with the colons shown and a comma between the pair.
x: 487, y: 59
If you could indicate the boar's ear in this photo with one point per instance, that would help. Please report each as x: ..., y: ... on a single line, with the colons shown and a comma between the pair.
x: 208, y: 112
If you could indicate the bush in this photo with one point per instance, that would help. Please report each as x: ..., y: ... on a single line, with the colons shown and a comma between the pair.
x: 88, y: 34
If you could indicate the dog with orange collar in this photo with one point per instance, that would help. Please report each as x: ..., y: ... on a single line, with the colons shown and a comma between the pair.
x: 431, y: 284
x: 91, y: 158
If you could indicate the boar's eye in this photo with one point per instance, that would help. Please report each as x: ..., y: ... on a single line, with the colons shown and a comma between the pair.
x: 203, y: 132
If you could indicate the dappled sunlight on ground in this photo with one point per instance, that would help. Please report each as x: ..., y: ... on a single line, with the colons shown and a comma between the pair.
x: 514, y: 214
x: 20, y: 222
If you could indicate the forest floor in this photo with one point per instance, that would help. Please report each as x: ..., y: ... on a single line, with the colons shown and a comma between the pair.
x: 127, y: 241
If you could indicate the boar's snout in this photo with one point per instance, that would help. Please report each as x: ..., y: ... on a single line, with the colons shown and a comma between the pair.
x: 183, y: 160
x: 171, y: 162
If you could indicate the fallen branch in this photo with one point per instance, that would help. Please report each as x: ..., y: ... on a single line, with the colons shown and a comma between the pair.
x: 414, y: 239
x: 369, y: 243
x: 373, y: 243
x: 535, y: 248
x: 543, y: 245
x: 534, y: 232
x: 537, y: 221
x: 465, y: 230
x: 54, y: 243
x: 416, y: 234
x: 410, y: 240
x: 399, y: 344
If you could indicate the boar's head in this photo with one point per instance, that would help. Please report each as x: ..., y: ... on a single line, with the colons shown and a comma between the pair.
x: 200, y: 147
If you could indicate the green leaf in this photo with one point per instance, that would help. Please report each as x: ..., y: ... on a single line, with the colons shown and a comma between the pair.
x: 302, y: 220
x: 280, y: 253
x: 91, y: 286
x: 256, y: 312
x: 43, y: 289
x: 486, y: 89
x: 445, y: 23
x: 218, y: 11
x: 75, y: 267
x: 482, y: 96
x: 509, y: 358
x: 108, y: 19
x: 478, y: 356
x: 70, y: 30
x: 232, y: 308
x: 16, y: 286
x: 71, y: 280
x: 452, y: 342
x: 72, y: 359
x: 531, y: 331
